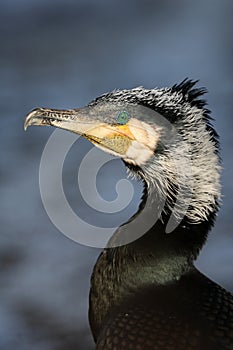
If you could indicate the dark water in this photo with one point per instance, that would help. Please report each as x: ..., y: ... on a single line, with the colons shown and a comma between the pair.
x: 63, y: 54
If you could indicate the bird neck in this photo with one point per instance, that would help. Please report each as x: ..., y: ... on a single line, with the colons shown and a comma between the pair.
x: 154, y: 259
x: 151, y: 259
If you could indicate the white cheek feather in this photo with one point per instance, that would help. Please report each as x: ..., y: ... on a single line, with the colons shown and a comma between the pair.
x: 144, y: 133
x: 137, y: 153
x: 146, y: 139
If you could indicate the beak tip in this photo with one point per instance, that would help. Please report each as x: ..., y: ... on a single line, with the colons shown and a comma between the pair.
x: 27, y: 121
x: 31, y: 117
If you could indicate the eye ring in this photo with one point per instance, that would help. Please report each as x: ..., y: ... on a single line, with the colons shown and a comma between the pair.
x: 122, y: 117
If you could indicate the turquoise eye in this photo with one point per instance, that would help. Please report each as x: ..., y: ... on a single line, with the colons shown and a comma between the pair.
x: 123, y: 117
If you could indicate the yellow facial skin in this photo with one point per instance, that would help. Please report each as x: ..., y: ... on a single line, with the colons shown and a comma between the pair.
x: 116, y: 138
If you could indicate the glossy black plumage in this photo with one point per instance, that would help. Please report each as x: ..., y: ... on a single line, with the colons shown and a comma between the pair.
x: 190, y: 314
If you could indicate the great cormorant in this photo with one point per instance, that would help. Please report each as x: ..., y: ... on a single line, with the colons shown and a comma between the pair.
x: 147, y: 294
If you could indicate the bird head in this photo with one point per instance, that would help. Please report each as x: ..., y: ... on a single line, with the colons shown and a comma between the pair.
x: 163, y: 136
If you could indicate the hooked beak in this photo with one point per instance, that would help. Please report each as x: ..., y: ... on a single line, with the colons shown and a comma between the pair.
x: 81, y: 122
x: 75, y: 120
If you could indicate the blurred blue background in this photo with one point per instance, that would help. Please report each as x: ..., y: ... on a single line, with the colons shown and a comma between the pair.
x: 63, y: 54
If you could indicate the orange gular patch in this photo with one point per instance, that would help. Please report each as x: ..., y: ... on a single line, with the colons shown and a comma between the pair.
x: 124, y: 130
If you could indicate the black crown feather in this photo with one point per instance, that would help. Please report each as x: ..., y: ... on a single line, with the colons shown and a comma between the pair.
x: 192, y: 95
